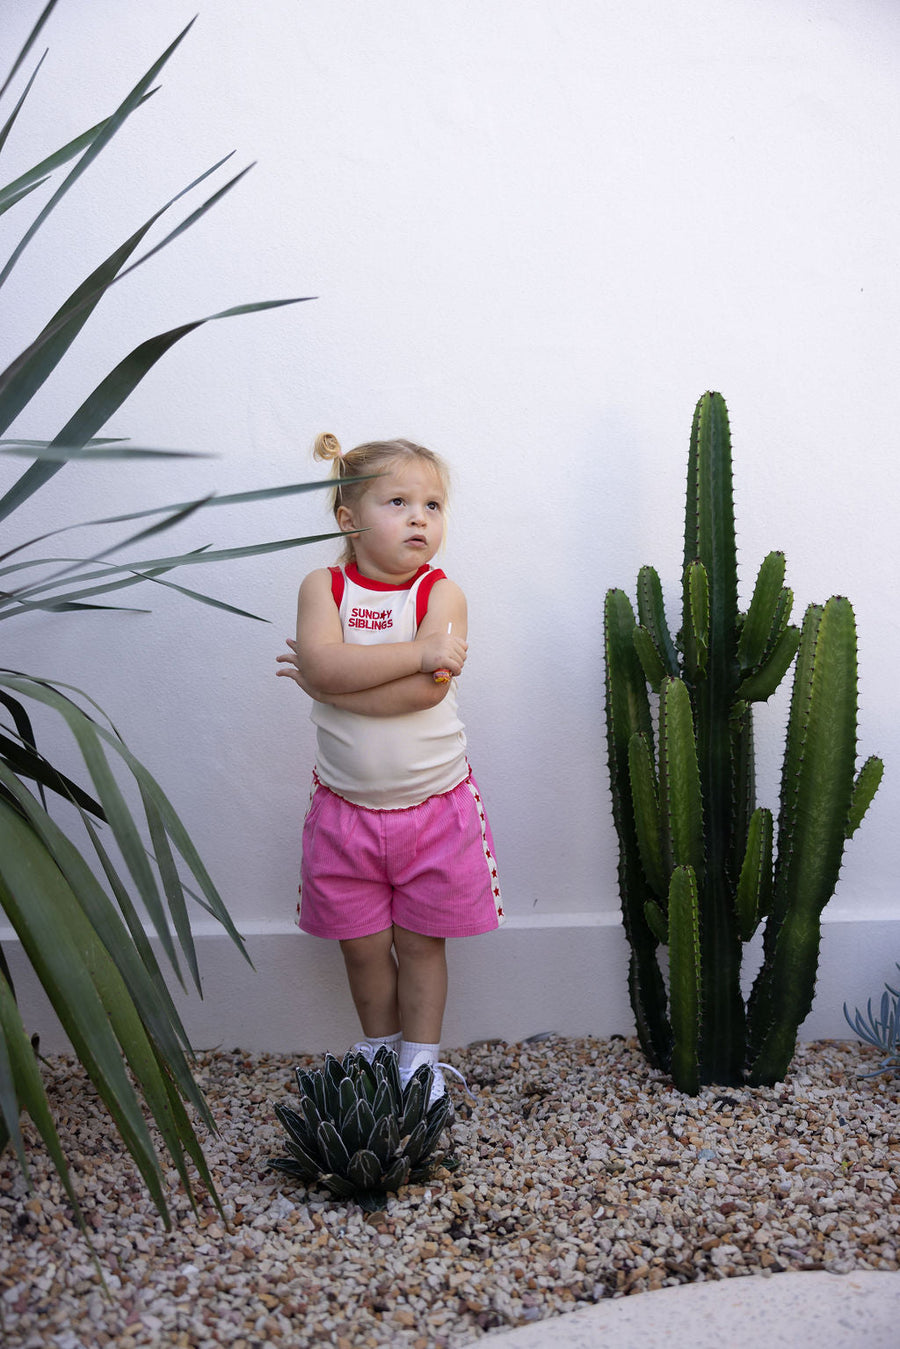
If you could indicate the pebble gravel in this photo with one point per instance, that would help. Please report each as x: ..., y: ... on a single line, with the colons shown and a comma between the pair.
x: 583, y: 1175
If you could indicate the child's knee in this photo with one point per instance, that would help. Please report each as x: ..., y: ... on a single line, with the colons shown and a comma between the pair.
x: 365, y: 952
x: 417, y: 946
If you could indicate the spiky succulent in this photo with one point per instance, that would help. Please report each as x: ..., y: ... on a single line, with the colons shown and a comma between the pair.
x: 881, y: 1031
x: 701, y: 867
x: 357, y: 1131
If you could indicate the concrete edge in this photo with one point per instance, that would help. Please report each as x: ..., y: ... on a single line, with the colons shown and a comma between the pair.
x: 782, y: 1311
x: 566, y: 974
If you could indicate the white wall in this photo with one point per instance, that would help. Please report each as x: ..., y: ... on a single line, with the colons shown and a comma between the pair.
x: 537, y: 231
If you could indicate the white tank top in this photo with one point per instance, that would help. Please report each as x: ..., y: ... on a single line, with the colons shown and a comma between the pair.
x: 388, y: 763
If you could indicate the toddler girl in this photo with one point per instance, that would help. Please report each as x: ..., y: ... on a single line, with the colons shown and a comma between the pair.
x: 397, y: 850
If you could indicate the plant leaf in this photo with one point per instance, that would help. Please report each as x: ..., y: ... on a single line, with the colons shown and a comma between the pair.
x: 364, y: 1170
x: 195, y: 558
x: 13, y: 1037
x: 109, y: 129
x: 139, y: 936
x: 29, y: 43
x: 26, y: 762
x: 89, y: 735
x: 111, y: 393
x: 229, y: 499
x: 140, y: 973
x: 31, y: 368
x: 297, y: 1129
x: 47, y: 452
x: 39, y: 173
x: 61, y: 947
x: 8, y: 125
x: 397, y: 1174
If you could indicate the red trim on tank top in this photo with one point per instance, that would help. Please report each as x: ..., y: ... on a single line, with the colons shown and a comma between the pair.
x: 429, y: 576
x: 356, y: 576
x: 423, y: 594
x: 337, y: 585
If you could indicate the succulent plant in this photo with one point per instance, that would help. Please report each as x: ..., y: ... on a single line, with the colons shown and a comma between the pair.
x: 701, y: 867
x: 359, y: 1133
x: 882, y: 1031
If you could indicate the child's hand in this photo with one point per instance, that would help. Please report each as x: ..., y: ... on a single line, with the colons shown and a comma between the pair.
x: 443, y: 652
x: 291, y: 663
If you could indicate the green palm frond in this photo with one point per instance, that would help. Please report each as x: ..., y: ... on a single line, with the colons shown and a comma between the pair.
x: 83, y: 910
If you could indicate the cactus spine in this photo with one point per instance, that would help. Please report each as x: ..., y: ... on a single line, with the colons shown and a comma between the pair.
x: 699, y: 865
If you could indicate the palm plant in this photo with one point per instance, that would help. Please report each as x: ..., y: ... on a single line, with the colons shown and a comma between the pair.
x: 75, y: 906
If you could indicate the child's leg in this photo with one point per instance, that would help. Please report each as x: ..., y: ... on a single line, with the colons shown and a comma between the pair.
x: 372, y: 975
x: 421, y: 984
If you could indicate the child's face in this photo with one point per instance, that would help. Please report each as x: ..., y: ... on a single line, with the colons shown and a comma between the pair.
x: 402, y: 513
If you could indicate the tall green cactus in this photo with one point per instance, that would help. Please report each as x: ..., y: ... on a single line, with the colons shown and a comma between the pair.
x: 700, y: 865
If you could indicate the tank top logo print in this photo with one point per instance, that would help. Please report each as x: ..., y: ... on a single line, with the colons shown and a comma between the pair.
x: 372, y: 620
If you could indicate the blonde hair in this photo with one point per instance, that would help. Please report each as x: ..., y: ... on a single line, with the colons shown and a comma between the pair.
x: 374, y: 457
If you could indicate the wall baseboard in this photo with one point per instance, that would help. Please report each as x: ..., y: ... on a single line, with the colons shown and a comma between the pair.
x: 563, y: 973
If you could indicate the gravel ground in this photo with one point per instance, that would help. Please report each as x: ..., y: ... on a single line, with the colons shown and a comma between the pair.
x: 584, y: 1175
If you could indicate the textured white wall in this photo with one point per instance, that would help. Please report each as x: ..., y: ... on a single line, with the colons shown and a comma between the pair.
x: 537, y: 231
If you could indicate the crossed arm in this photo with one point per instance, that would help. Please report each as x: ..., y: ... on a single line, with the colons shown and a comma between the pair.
x: 376, y: 681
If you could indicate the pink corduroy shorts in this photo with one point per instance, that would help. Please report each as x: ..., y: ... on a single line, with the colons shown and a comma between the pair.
x: 428, y: 868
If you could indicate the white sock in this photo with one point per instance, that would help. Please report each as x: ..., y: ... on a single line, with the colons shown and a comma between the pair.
x: 410, y: 1048
x: 389, y: 1041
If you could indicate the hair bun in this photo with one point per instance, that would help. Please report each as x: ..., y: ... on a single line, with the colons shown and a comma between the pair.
x: 327, y: 446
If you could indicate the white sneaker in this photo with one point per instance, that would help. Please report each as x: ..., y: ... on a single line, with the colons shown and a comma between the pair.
x: 369, y: 1051
x: 438, y: 1083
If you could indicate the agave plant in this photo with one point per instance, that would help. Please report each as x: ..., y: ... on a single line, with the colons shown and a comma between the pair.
x: 882, y: 1031
x: 84, y: 936
x: 359, y: 1133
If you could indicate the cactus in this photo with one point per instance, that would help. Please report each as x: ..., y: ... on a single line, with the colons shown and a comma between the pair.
x: 701, y: 866
x: 358, y: 1133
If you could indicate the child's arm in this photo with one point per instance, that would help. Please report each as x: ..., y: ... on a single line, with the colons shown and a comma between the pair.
x: 408, y: 693
x: 327, y: 663
x: 414, y: 693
